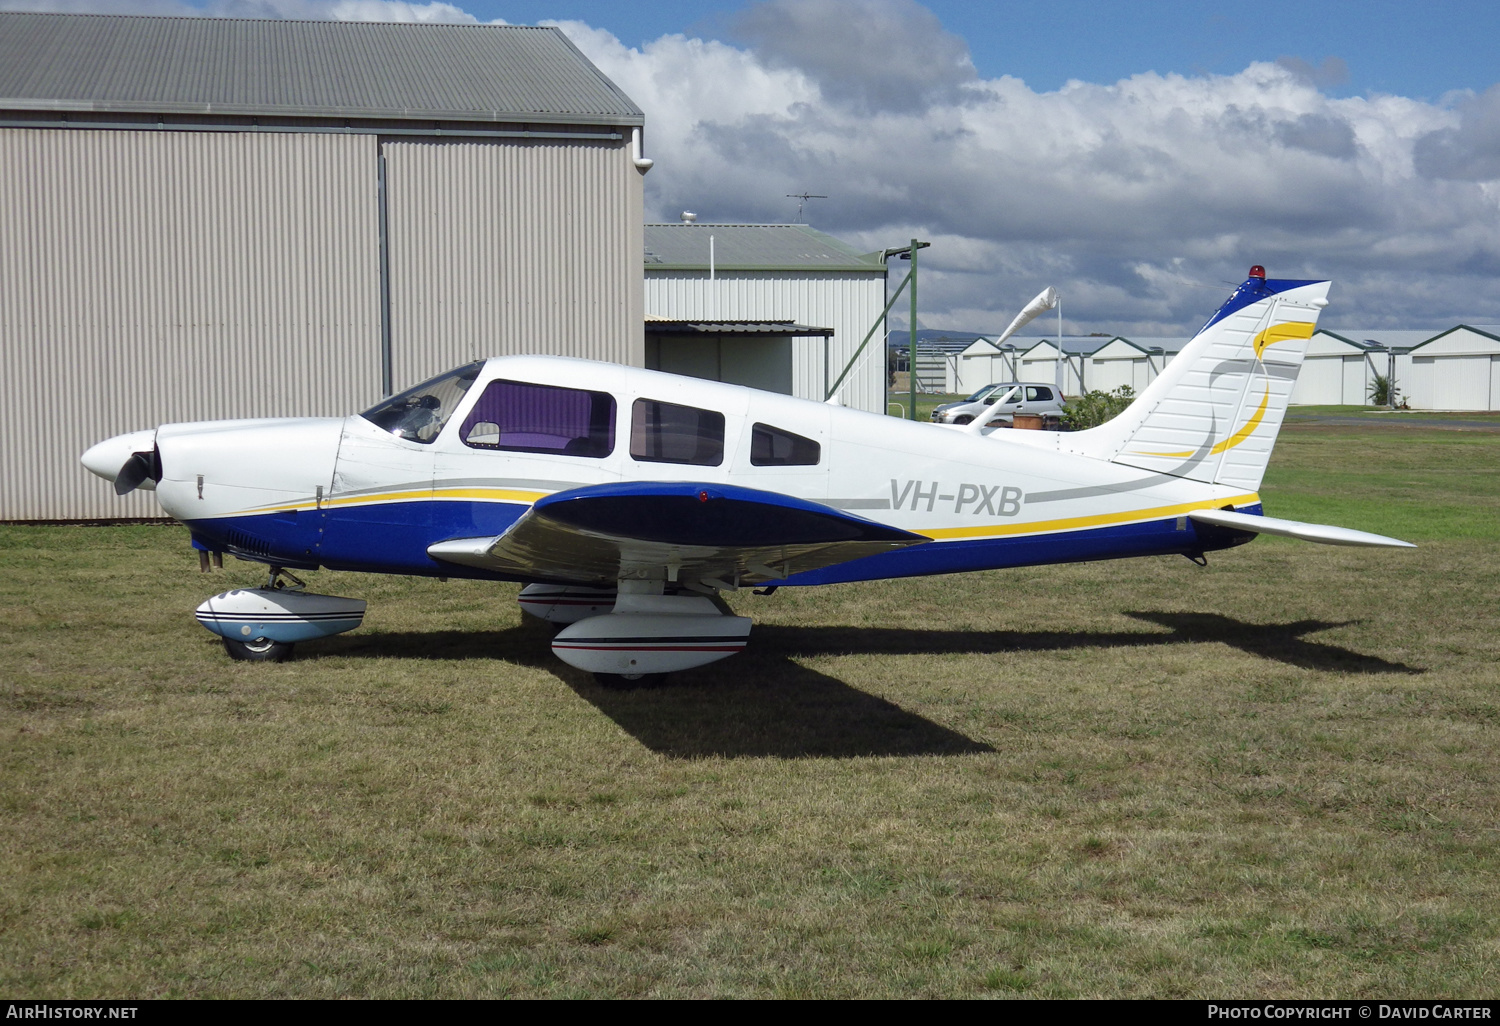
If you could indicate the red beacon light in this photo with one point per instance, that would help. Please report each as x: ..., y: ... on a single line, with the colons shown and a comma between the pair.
x: 1258, y: 272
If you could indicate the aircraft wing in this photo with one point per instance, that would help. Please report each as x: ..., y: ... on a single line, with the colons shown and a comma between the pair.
x: 697, y: 532
x: 1322, y: 533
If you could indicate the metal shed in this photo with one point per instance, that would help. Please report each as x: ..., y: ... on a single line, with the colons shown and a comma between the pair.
x: 1093, y: 362
x: 1336, y: 370
x: 1456, y: 370
x: 1121, y: 362
x: 777, y: 272
x: 211, y: 218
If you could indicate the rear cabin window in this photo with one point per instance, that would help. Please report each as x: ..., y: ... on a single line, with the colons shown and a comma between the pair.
x: 517, y: 416
x: 1035, y: 395
x: 773, y: 447
x: 668, y: 433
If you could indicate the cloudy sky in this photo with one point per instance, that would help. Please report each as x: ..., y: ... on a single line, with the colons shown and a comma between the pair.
x: 1135, y: 156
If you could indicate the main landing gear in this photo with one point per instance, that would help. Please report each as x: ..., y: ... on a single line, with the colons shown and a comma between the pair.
x: 646, y: 634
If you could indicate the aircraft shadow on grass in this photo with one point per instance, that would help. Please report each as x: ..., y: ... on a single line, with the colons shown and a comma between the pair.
x: 766, y: 704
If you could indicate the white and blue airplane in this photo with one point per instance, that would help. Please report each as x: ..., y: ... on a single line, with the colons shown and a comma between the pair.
x: 628, y: 501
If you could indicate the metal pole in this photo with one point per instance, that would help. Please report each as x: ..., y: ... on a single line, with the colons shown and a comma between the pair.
x: 825, y: 368
x: 869, y: 335
x: 911, y: 357
x: 385, y: 280
x: 1062, y: 375
x: 885, y: 331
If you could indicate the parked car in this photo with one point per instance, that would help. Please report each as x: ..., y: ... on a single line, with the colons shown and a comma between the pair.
x: 1003, y: 401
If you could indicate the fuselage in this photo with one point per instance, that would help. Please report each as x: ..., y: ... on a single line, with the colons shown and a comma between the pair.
x: 372, y: 492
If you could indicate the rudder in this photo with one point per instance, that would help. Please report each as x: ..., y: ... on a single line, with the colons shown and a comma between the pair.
x: 1213, y: 413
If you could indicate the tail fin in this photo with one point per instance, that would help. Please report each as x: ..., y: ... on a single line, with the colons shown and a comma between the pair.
x: 1213, y: 413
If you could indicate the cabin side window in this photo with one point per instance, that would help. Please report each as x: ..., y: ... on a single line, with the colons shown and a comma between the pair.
x: 668, y: 433
x: 773, y: 447
x: 419, y: 413
x: 517, y: 416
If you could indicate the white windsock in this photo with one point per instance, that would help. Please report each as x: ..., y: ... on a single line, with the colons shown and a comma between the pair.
x: 1045, y: 300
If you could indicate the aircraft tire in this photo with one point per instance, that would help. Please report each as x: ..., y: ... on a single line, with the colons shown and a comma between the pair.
x: 261, y: 650
x: 629, y: 681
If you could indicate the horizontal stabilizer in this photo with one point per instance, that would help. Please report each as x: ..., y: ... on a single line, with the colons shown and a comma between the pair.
x: 1321, y: 533
x: 723, y: 535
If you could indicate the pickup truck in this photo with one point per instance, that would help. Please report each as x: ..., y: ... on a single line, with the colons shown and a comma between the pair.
x: 1002, y: 401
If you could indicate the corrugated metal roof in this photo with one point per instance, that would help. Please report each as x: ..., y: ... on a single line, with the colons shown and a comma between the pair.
x: 1073, y: 345
x: 751, y: 247
x: 102, y: 62
x: 1372, y: 337
x: 662, y: 326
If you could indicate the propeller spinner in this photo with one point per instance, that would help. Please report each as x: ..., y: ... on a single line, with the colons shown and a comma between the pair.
x: 127, y: 460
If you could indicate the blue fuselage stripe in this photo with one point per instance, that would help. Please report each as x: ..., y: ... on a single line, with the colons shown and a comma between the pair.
x: 393, y: 538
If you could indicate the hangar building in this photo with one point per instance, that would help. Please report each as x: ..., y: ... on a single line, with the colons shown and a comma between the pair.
x: 777, y: 306
x: 208, y: 218
x: 1458, y: 369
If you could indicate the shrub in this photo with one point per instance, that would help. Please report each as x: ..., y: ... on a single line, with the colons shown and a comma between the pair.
x: 1383, y: 392
x: 1096, y: 407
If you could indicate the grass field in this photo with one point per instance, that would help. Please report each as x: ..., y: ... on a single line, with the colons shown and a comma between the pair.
x: 1275, y: 776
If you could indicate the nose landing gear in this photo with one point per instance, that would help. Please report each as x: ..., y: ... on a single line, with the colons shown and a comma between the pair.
x: 261, y: 625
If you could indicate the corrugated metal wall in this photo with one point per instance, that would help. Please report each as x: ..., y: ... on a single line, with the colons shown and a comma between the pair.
x: 150, y: 277
x: 512, y: 247
x: 846, y: 302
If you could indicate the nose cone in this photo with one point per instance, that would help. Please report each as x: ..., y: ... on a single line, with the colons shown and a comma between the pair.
x: 109, y: 456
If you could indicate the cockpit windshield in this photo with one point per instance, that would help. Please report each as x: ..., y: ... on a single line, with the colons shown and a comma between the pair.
x: 419, y: 413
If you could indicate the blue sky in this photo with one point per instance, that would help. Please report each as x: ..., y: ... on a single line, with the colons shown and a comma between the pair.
x: 1416, y: 50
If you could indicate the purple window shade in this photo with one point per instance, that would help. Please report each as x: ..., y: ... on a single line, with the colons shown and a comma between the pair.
x: 514, y: 415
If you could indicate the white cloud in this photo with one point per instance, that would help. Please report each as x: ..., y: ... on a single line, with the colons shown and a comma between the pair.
x: 1138, y: 199
x: 1128, y: 196
x: 869, y: 54
x: 1469, y: 151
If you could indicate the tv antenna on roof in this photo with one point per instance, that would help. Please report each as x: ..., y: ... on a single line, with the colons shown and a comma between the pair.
x: 802, y: 197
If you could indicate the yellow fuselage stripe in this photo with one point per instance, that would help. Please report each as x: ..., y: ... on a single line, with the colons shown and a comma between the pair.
x: 414, y: 495
x: 1074, y: 523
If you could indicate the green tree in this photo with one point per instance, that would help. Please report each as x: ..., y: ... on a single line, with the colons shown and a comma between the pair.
x: 1096, y: 407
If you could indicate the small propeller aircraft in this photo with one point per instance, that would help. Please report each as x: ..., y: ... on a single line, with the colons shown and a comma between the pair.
x: 628, y: 501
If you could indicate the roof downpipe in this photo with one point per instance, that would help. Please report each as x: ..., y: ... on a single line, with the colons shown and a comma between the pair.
x: 643, y: 164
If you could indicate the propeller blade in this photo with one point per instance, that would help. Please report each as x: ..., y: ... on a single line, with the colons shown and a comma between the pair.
x: 133, y: 472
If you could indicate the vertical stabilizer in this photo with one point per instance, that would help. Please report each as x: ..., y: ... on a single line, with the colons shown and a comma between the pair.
x: 1213, y: 413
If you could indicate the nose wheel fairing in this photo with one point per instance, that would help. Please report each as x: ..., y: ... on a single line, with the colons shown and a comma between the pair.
x: 278, y: 614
